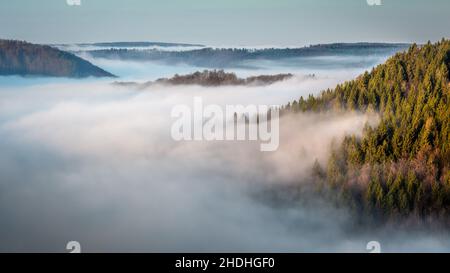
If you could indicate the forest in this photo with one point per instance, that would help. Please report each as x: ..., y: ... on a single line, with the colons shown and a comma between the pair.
x: 212, y: 78
x: 400, y: 168
x: 25, y: 59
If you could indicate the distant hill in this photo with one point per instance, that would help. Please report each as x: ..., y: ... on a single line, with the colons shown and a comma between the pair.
x: 236, y: 57
x: 83, y: 47
x: 141, y: 44
x: 22, y: 58
x: 212, y: 78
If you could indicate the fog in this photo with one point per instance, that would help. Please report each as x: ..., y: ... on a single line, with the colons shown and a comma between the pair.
x: 91, y: 162
x: 337, y: 67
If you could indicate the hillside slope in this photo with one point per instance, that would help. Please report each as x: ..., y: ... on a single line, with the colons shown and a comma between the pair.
x: 22, y: 58
x: 401, y: 167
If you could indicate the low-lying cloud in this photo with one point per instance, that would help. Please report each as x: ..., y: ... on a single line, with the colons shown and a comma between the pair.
x: 95, y: 163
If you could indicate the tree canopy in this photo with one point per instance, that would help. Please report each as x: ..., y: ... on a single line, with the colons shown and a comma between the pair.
x: 401, y: 166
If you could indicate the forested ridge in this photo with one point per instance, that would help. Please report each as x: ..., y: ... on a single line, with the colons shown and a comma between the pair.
x: 234, y: 57
x: 399, y: 168
x: 22, y: 58
x: 212, y: 78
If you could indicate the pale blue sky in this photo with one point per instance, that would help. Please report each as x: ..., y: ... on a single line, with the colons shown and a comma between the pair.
x: 225, y: 22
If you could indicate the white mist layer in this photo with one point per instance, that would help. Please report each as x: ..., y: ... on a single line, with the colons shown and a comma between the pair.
x: 95, y: 163
x: 333, y: 67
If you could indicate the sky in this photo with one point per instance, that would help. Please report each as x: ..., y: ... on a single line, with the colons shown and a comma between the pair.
x: 225, y: 22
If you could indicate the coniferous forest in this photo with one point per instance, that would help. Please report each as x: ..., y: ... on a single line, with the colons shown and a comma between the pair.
x: 400, y: 168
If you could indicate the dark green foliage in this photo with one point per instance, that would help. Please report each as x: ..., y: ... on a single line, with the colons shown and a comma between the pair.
x: 21, y: 58
x: 401, y: 166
